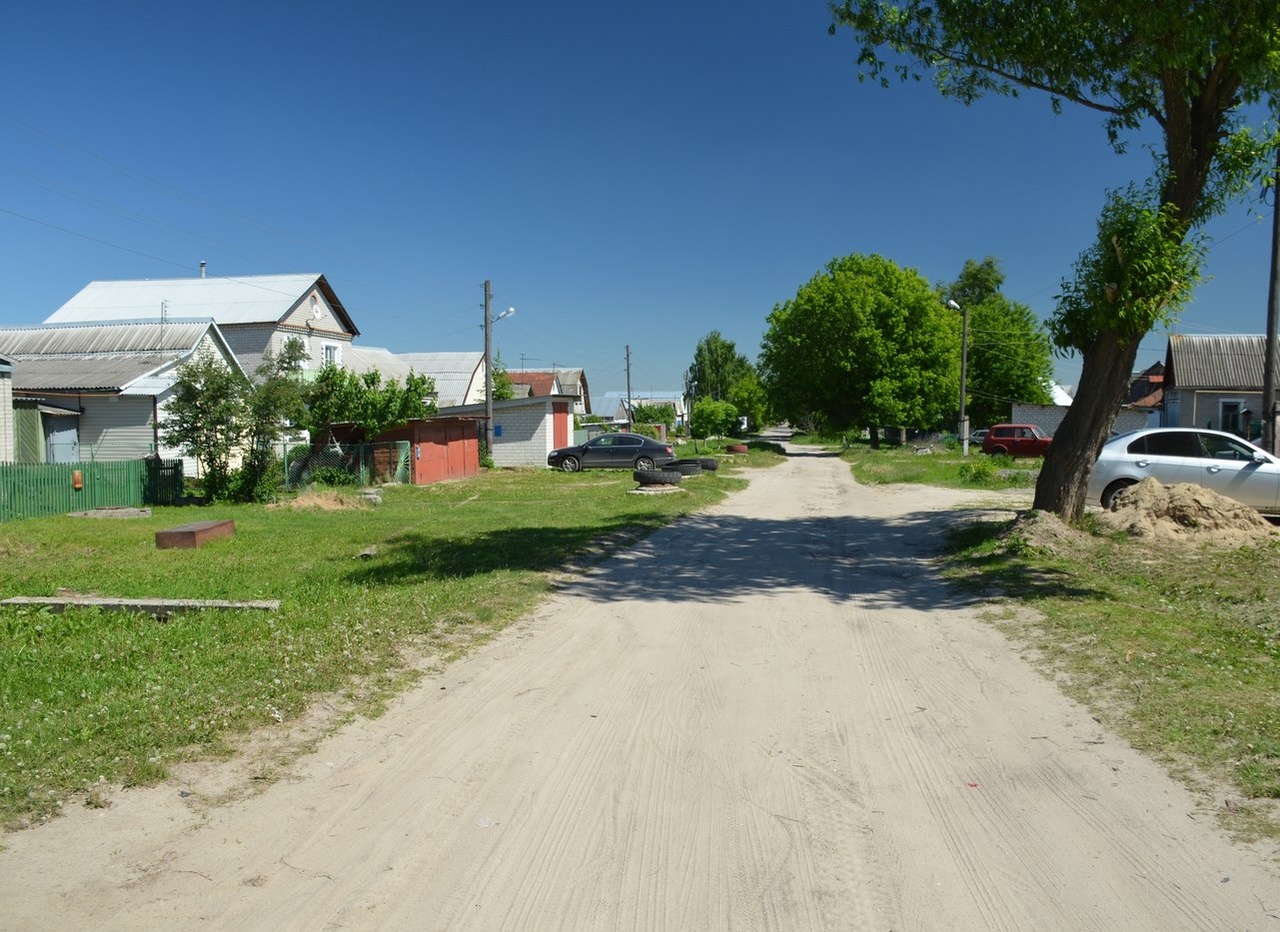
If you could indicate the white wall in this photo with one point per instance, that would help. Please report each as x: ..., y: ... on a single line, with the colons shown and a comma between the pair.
x: 6, y: 417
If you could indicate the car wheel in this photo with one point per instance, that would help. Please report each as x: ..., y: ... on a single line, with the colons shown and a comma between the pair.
x: 1109, y: 493
x: 570, y: 464
x: 657, y: 476
x: 998, y: 451
x: 644, y: 463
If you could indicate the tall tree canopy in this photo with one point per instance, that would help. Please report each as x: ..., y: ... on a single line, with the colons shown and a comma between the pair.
x: 864, y: 344
x: 339, y: 396
x: 717, y: 367
x: 1010, y: 356
x: 1189, y: 68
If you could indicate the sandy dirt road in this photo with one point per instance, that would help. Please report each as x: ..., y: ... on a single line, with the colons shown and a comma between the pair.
x: 770, y: 716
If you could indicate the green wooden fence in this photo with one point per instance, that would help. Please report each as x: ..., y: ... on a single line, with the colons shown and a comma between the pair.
x: 35, y: 490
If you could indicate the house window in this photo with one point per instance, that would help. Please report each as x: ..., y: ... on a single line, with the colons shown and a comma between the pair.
x: 331, y: 355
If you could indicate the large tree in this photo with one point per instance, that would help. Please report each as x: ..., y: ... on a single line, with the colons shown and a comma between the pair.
x: 717, y: 367
x: 339, y: 396
x: 1189, y: 69
x: 207, y: 417
x: 864, y: 344
x: 1010, y: 357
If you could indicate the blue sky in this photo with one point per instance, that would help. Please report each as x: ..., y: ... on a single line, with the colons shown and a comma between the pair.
x: 624, y: 174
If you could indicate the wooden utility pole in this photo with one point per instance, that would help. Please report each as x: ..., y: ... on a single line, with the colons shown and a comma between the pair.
x: 488, y: 370
x: 629, y: 416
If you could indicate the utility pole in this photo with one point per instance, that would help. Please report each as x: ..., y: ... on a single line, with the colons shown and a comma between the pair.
x: 629, y: 418
x: 1270, y: 352
x: 488, y: 370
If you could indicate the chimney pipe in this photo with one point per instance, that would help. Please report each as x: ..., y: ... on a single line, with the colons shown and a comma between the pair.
x: 202, y: 264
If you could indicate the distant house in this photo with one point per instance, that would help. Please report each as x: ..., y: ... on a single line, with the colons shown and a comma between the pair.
x: 614, y: 405
x: 256, y: 314
x: 1049, y: 417
x: 6, y: 409
x: 1212, y: 381
x: 98, y: 391
x: 558, y: 382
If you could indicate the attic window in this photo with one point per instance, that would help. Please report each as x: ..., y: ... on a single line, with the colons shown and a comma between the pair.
x: 315, y: 307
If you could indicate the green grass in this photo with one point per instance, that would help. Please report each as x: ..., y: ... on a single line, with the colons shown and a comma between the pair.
x: 943, y: 464
x: 91, y: 699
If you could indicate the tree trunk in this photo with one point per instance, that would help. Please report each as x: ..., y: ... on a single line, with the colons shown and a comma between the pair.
x: 875, y: 438
x: 1104, y: 383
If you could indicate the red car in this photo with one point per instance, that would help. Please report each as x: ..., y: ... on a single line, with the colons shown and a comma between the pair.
x: 1016, y: 440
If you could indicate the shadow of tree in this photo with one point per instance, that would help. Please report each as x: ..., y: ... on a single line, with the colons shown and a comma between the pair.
x: 709, y: 557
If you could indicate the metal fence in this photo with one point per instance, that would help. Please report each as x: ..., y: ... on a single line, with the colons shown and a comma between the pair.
x: 346, y: 464
x: 36, y: 490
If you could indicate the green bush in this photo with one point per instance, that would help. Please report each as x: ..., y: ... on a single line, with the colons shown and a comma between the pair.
x: 979, y: 472
x: 334, y: 476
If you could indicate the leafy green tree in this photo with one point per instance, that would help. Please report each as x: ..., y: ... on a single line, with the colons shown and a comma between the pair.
x: 749, y: 397
x: 1010, y: 356
x: 339, y: 396
x: 274, y: 402
x: 207, y: 417
x: 864, y: 345
x: 711, y: 418
x: 1191, y: 70
x: 655, y: 414
x: 717, y: 367
x: 504, y: 388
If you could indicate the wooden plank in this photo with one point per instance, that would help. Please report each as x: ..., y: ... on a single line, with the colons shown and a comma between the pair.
x: 161, y: 608
x: 189, y: 536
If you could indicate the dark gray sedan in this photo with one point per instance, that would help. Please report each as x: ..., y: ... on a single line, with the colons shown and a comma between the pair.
x: 1216, y: 460
x: 613, y: 451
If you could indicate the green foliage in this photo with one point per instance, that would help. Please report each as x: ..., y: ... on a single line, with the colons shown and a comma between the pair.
x: 504, y: 388
x: 207, y: 417
x: 749, y: 397
x: 1010, y: 356
x: 334, y: 476
x: 711, y: 418
x: 717, y: 368
x: 655, y: 414
x: 862, y: 345
x: 339, y: 396
x: 1139, y: 272
x: 274, y: 401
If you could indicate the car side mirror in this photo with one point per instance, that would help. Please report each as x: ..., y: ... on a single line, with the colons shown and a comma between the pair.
x: 1260, y: 457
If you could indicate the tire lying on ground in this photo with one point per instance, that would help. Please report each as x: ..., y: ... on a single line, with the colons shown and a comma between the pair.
x: 657, y: 476
x: 686, y: 467
x: 709, y: 463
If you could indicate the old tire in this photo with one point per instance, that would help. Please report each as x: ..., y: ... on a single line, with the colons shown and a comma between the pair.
x: 657, y: 476
x: 570, y: 464
x: 709, y: 463
x: 736, y: 448
x: 1109, y: 493
x: 686, y: 467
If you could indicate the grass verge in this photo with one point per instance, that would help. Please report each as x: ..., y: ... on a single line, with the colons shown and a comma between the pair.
x: 934, y: 463
x: 370, y: 596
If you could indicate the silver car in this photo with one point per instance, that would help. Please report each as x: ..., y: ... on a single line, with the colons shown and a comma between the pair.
x: 1216, y: 460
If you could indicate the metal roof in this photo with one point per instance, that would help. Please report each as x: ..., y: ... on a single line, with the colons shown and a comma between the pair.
x: 251, y: 299
x: 101, y: 357
x: 361, y: 359
x: 455, y: 375
x: 1230, y: 362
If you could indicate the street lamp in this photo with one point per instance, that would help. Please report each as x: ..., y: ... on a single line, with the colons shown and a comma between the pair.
x: 964, y: 365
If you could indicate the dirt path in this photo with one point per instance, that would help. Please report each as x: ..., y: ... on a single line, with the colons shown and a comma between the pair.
x: 771, y: 716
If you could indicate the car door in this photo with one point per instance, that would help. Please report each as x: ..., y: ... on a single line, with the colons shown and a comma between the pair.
x: 1227, y: 466
x: 1169, y: 456
x: 626, y: 450
x: 598, y: 453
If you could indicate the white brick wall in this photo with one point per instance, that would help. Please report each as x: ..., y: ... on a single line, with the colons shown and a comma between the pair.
x: 6, y: 418
x: 526, y: 435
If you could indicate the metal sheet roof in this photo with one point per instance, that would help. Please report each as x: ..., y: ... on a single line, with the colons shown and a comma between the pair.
x: 386, y: 363
x: 100, y: 357
x: 455, y: 374
x: 251, y: 299
x: 1229, y: 362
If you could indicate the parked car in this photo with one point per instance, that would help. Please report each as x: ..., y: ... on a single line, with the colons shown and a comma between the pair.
x: 977, y: 436
x: 1216, y: 460
x: 1016, y: 440
x: 613, y: 451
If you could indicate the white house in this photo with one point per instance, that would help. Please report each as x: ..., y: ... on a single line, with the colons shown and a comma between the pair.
x: 98, y: 391
x: 256, y: 314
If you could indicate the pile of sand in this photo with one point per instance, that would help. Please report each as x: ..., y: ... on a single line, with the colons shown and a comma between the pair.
x: 325, y: 500
x: 1184, y: 512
